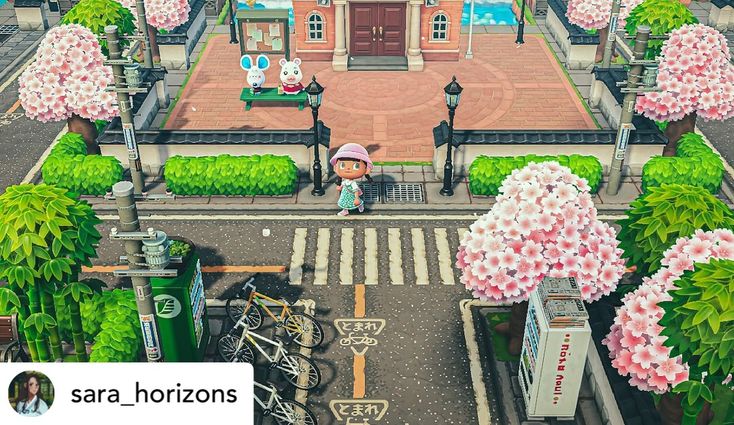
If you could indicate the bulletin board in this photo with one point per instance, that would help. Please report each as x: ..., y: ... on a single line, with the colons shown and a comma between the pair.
x: 264, y: 31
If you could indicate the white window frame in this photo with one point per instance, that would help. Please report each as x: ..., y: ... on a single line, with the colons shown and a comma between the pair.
x: 308, y: 24
x: 433, y: 23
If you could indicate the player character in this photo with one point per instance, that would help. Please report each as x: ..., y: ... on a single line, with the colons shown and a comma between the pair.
x: 351, y: 162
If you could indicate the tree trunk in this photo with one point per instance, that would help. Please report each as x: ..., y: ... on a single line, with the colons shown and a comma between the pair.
x: 87, y: 130
x: 77, y: 331
x: 675, y: 130
x: 671, y: 411
x: 155, y: 51
x: 30, y: 341
x: 603, y: 34
x: 515, y: 328
x: 53, y: 331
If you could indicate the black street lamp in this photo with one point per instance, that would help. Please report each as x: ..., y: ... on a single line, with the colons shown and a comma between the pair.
x: 314, y: 92
x: 453, y: 93
x: 232, y: 30
x: 521, y: 25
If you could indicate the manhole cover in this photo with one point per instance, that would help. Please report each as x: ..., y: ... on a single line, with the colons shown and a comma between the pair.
x: 7, y: 31
x: 370, y: 192
x: 399, y: 193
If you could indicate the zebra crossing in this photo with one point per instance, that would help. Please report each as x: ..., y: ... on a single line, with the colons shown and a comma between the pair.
x: 395, y: 256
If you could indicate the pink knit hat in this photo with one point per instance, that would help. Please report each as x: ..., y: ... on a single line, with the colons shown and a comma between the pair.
x: 353, y: 151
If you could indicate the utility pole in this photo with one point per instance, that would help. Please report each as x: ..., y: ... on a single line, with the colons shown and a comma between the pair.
x: 125, y: 104
x: 628, y: 108
x: 132, y: 237
x: 612, y: 36
x: 143, y: 27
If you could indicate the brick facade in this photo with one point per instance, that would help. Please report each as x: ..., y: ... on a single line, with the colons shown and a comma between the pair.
x: 307, y: 49
x: 323, y: 50
x: 441, y: 50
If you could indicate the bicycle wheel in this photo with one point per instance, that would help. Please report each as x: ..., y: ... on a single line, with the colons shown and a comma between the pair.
x: 300, y: 326
x: 290, y: 412
x: 236, y: 306
x: 228, y: 350
x: 300, y: 371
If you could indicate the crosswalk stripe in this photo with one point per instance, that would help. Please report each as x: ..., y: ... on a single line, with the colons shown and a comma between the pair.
x: 462, y: 231
x: 419, y: 256
x: 321, y: 268
x: 370, y: 256
x: 295, y: 273
x: 396, y: 256
x: 346, y: 262
x: 444, y: 257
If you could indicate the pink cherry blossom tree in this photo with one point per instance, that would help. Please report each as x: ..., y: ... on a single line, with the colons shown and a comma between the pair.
x: 635, y: 342
x: 543, y: 224
x: 595, y: 15
x: 695, y: 78
x: 161, y: 14
x: 67, y: 81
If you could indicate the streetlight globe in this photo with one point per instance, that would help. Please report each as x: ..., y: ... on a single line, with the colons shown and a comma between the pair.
x: 314, y: 90
x: 453, y: 93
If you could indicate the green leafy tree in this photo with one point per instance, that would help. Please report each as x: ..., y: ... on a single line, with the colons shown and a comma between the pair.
x: 662, y: 16
x: 40, y: 329
x: 46, y: 235
x: 73, y: 294
x: 663, y: 214
x: 120, y: 339
x: 699, y: 325
x: 97, y: 14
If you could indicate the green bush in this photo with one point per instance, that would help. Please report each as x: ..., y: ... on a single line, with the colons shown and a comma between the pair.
x: 487, y: 173
x: 695, y: 164
x: 179, y: 249
x: 663, y: 214
x: 97, y: 14
x: 231, y: 175
x: 91, y: 310
x: 119, y: 339
x: 662, y: 16
x: 69, y: 166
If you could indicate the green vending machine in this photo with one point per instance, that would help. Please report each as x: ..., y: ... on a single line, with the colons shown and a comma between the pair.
x: 183, y: 325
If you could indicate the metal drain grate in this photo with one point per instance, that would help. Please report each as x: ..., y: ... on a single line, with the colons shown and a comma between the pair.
x: 398, y: 193
x: 7, y: 31
x: 370, y: 192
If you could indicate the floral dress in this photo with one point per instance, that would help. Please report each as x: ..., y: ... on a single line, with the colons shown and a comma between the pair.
x: 350, y: 189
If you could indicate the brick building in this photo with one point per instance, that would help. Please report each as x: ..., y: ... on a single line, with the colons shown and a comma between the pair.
x: 387, y: 33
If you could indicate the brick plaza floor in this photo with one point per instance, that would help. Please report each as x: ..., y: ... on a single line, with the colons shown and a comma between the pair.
x: 393, y: 113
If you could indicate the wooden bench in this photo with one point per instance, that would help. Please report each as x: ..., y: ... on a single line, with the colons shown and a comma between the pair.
x: 8, y: 329
x: 271, y: 95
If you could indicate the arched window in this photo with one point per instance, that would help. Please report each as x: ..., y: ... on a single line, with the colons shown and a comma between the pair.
x: 440, y: 27
x: 315, y: 27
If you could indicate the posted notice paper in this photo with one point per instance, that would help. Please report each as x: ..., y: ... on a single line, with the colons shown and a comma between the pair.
x: 274, y: 30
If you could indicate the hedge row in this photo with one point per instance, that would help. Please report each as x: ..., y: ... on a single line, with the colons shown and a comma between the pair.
x: 119, y: 338
x: 69, y: 166
x: 695, y: 164
x: 231, y: 175
x: 487, y: 173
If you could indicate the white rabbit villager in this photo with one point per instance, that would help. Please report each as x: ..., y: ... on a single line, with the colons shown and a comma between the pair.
x: 291, y: 76
x: 255, y: 74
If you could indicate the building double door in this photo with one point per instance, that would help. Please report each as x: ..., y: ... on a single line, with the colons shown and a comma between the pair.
x: 377, y: 29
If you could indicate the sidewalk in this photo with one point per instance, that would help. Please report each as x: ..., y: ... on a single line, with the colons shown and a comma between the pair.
x: 21, y: 44
x: 302, y: 202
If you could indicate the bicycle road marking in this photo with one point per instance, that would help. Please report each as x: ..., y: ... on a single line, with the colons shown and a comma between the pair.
x: 461, y: 231
x: 420, y: 262
x: 347, y: 256
x: 359, y: 376
x: 359, y: 301
x: 370, y: 256
x: 295, y: 275
x: 204, y: 269
x: 321, y: 268
x: 396, y: 256
x: 444, y: 257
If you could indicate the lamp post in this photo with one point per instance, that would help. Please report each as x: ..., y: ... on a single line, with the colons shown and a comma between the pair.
x: 453, y: 93
x: 314, y: 91
x: 232, y: 30
x: 469, y: 53
x: 521, y: 25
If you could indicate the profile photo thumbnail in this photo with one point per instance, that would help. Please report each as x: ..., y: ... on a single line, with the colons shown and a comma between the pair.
x: 31, y: 393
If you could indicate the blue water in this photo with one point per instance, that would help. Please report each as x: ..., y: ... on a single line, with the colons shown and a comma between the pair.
x: 486, y: 12
x: 489, y: 13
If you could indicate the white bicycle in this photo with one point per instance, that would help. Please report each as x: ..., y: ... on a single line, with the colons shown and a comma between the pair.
x: 297, y: 369
x: 283, y: 410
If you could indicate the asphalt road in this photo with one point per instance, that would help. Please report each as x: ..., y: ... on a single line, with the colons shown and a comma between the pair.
x: 22, y: 140
x: 419, y: 365
x: 721, y: 135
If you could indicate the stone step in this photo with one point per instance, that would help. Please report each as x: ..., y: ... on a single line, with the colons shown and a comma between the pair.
x: 377, y: 63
